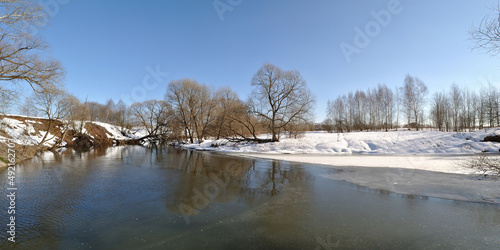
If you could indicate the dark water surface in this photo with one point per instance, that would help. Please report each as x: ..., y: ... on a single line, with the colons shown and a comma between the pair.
x: 165, y: 198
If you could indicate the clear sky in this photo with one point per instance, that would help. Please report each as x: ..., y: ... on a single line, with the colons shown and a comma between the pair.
x: 108, y: 47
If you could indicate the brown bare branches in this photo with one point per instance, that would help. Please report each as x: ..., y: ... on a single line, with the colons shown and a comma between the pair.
x: 17, y: 16
x: 280, y: 98
x: 155, y: 116
x: 194, y: 106
x: 53, y: 103
x: 22, y: 56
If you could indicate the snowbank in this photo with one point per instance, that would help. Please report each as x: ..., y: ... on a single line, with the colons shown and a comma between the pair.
x: 369, y: 143
x: 24, y: 132
x: 28, y: 132
x: 424, y: 150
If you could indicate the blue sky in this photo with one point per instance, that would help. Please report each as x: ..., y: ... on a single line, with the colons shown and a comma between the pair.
x: 108, y: 47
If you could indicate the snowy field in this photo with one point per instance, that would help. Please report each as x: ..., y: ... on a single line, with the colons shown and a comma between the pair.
x: 423, y: 150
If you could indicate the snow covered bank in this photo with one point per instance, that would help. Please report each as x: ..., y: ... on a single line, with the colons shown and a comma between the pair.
x: 376, y: 143
x: 424, y: 150
x: 28, y: 133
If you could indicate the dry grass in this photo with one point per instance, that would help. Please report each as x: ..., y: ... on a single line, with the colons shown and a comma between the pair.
x: 486, y: 164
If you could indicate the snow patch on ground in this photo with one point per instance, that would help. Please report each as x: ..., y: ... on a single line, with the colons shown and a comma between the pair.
x: 113, y: 131
x: 25, y: 134
x: 137, y: 132
x: 377, y: 143
x: 424, y: 150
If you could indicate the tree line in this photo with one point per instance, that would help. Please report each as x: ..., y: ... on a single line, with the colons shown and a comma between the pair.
x: 191, y: 111
x: 461, y: 109
x: 409, y: 106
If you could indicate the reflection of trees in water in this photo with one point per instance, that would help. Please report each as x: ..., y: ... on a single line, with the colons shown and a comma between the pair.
x: 237, y: 179
x: 72, y: 180
x: 59, y: 185
x: 71, y: 156
x: 51, y: 197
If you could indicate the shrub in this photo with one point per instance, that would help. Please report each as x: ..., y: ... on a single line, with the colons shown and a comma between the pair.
x: 484, y: 163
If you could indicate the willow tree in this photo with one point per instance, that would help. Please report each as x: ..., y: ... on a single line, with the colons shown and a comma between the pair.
x: 280, y: 98
x: 194, y: 105
x: 155, y: 116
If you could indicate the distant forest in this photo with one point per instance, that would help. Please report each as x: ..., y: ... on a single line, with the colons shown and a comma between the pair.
x: 410, y: 106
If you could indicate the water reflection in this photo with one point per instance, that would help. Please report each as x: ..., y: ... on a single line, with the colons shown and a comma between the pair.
x: 207, y: 178
x: 389, y: 193
x: 63, y: 192
x: 130, y: 197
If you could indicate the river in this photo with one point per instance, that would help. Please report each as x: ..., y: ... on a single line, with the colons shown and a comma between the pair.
x: 134, y: 197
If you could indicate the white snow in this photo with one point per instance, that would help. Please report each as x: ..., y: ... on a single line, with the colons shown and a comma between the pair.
x: 113, y: 131
x: 138, y: 132
x: 369, y: 143
x: 31, y: 121
x: 425, y: 150
x: 24, y: 132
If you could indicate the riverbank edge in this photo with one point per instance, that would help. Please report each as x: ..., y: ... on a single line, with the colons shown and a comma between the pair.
x: 25, y: 132
x: 487, y: 188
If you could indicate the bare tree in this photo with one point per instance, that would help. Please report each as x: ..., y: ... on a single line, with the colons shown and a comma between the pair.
x: 154, y: 116
x: 53, y: 104
x: 73, y: 109
x: 482, y: 112
x: 18, y: 15
x: 328, y: 125
x: 361, y: 110
x: 178, y: 96
x: 486, y: 35
x: 414, y: 92
x: 108, y: 111
x: 456, y: 102
x: 490, y: 104
x: 398, y: 106
x: 439, y: 110
x: 378, y: 108
x: 226, y: 101
x: 122, y: 114
x: 471, y: 107
x: 22, y: 56
x: 336, y: 113
x: 194, y: 106
x: 7, y: 97
x: 27, y: 108
x: 82, y: 115
x: 386, y: 102
x: 280, y: 98
x: 243, y: 123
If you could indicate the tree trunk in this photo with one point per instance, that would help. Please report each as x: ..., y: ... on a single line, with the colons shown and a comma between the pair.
x: 46, y: 133
x: 273, y: 128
